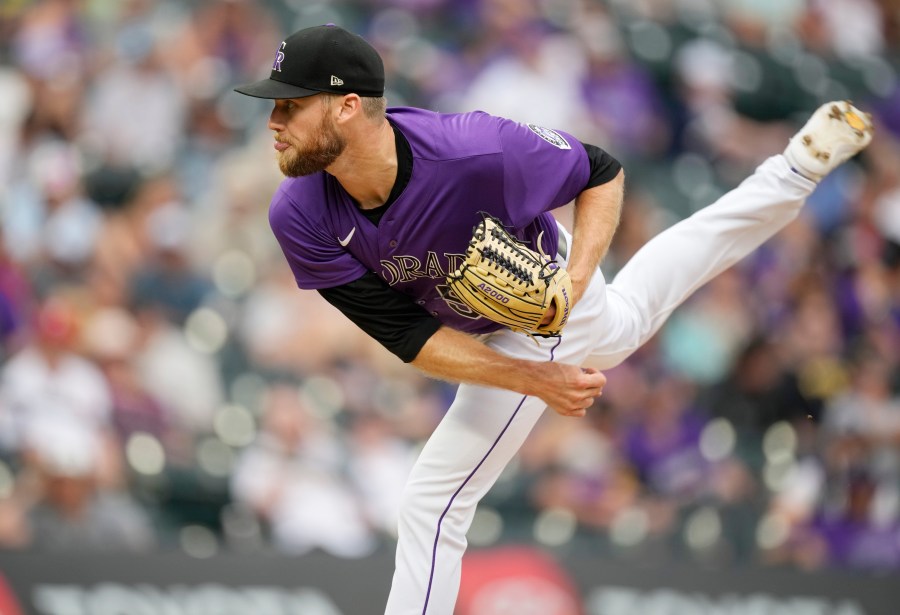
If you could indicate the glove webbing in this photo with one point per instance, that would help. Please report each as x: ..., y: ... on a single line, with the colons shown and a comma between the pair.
x: 501, y: 262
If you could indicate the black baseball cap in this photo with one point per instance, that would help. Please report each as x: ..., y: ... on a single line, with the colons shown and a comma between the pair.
x: 321, y: 59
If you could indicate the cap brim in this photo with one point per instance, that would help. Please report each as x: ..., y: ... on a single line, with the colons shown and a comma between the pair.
x: 269, y: 88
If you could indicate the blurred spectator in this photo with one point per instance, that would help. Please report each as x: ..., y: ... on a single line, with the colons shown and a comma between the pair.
x: 183, y: 378
x: 849, y: 27
x: 887, y: 110
x: 167, y: 280
x: 48, y: 220
x: 293, y: 477
x: 16, y: 302
x: 136, y: 92
x: 708, y: 73
x: 111, y: 338
x: 52, y: 46
x: 581, y: 470
x: 71, y: 510
x: 851, y: 534
x: 124, y: 243
x: 812, y: 341
x: 13, y: 115
x: 15, y: 531
x: 662, y: 441
x: 231, y: 217
x: 221, y: 42
x: 538, y: 61
x: 756, y: 393
x: 625, y: 108
x: 47, y: 382
x: 379, y: 465
x: 292, y: 332
x: 703, y: 338
x: 868, y: 412
x: 52, y: 29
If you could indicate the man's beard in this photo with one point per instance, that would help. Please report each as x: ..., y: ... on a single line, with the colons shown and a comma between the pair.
x: 325, y: 147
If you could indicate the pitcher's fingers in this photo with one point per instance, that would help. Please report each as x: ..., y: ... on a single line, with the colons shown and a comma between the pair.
x: 594, y: 376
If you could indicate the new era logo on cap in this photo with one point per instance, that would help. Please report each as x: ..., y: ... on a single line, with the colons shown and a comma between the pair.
x: 310, y: 60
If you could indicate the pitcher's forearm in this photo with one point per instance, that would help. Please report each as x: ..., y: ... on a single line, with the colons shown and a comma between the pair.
x: 597, y: 212
x: 454, y: 356
x: 457, y: 357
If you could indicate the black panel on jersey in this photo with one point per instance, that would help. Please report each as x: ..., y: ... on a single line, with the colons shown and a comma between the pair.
x: 604, y: 167
x: 392, y: 318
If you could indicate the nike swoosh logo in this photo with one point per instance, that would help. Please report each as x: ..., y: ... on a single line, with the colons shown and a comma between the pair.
x: 347, y: 239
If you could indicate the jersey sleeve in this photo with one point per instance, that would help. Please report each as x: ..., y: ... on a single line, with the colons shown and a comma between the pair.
x: 542, y: 169
x: 314, y: 255
x: 388, y: 316
x: 604, y: 168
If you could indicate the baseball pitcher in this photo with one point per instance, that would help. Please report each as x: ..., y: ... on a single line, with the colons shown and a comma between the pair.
x: 433, y: 233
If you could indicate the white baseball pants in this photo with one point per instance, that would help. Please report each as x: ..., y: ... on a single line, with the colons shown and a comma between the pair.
x: 485, y: 427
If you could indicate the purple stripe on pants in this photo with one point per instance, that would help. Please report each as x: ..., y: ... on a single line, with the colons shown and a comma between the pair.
x: 437, y: 535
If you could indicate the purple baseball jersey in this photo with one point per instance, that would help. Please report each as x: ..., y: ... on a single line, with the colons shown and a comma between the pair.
x: 463, y: 165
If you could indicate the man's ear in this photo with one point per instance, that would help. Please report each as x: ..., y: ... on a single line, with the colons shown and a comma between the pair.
x: 350, y: 106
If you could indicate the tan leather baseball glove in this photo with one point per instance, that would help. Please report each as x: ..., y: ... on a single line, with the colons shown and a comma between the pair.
x: 506, y: 281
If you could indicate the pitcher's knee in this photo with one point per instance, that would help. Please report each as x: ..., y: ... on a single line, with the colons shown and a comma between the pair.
x: 427, y: 514
x: 418, y: 510
x: 641, y: 320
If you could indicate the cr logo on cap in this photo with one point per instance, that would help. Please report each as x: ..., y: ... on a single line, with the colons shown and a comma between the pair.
x: 279, y: 58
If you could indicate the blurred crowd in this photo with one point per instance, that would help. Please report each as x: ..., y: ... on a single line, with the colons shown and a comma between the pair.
x: 163, y: 384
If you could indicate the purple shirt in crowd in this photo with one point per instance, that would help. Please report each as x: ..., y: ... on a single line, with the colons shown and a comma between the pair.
x: 463, y: 164
x: 669, y: 460
x: 860, y: 544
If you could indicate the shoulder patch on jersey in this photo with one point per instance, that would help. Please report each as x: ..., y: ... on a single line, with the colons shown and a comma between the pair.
x: 550, y: 136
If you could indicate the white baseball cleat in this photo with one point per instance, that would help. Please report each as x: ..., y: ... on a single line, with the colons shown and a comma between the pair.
x: 835, y: 133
